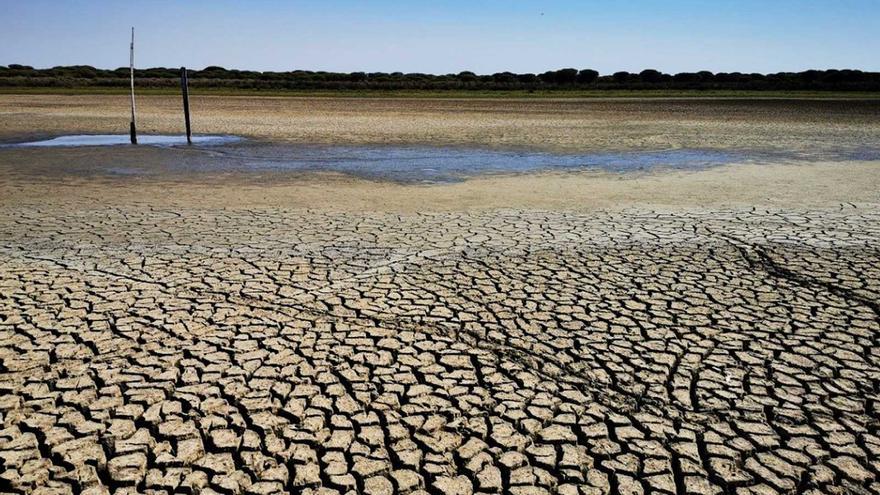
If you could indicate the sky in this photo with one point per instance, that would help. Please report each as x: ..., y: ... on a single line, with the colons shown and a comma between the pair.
x: 439, y: 37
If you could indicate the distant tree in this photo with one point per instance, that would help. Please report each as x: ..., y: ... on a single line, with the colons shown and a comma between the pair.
x: 566, y: 76
x: 587, y: 76
x: 686, y: 77
x: 706, y: 76
x: 504, y: 77
x: 650, y: 76
x: 621, y: 77
x: 560, y: 77
x: 811, y: 76
x: 528, y: 78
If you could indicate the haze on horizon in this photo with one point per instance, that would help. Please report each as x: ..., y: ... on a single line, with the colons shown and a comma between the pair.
x: 448, y: 37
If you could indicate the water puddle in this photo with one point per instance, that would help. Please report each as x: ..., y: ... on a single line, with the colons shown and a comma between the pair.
x: 121, y: 139
x: 169, y: 154
x: 451, y: 164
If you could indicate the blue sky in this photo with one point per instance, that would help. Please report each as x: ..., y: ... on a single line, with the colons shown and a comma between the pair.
x: 447, y: 36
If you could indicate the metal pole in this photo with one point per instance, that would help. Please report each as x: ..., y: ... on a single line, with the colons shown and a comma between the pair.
x: 133, y: 129
x: 184, y: 87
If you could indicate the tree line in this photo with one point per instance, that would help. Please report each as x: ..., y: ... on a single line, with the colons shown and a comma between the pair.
x: 78, y: 76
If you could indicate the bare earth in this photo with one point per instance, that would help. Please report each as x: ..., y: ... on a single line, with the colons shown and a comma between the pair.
x: 689, y: 332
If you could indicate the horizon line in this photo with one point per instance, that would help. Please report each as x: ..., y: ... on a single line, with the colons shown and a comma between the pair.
x: 600, y: 74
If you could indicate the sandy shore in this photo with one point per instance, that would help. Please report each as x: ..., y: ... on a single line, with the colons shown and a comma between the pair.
x: 709, y: 332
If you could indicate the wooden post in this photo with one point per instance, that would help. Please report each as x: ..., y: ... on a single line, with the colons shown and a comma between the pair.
x: 184, y: 87
x: 133, y: 128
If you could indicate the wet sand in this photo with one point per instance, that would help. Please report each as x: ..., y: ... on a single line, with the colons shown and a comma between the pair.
x: 711, y: 331
x: 787, y: 186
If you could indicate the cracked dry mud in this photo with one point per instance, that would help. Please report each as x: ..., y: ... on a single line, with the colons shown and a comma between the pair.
x: 264, y: 351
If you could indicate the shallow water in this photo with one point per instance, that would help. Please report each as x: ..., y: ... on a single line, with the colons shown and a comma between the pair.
x: 121, y: 139
x: 449, y: 164
x: 105, y: 154
x: 452, y: 164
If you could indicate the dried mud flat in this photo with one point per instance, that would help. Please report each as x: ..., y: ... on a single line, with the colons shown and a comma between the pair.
x: 262, y: 351
x: 477, y: 338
